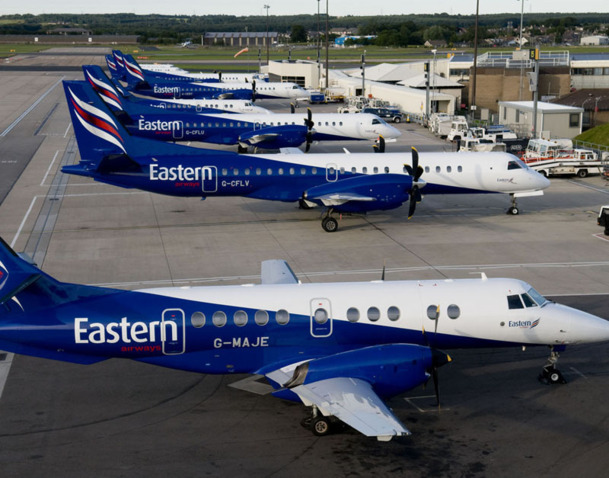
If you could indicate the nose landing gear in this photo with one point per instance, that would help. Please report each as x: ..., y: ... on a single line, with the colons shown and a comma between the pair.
x: 550, y: 375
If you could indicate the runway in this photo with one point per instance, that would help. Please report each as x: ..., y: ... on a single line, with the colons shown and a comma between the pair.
x: 127, y: 419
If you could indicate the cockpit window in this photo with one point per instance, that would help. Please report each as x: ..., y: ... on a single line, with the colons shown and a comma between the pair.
x: 513, y: 165
x: 376, y: 121
x: 537, y: 297
x: 528, y: 302
x: 514, y: 302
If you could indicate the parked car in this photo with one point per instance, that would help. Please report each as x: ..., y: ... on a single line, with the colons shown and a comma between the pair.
x: 392, y: 114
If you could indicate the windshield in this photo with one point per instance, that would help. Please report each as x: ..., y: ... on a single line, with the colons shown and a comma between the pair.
x: 516, y: 164
x: 537, y: 297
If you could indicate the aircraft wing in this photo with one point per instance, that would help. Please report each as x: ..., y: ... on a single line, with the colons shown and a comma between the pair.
x: 277, y: 272
x: 354, y: 402
x: 382, y: 188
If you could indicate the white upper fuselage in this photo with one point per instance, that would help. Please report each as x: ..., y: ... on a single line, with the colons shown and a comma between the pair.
x: 327, y: 125
x: 264, y: 89
x: 231, y: 106
x: 472, y: 312
x: 202, y: 76
x: 443, y: 172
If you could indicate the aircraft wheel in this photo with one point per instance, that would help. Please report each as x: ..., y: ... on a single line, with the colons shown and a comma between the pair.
x: 329, y: 224
x: 513, y: 211
x: 321, y: 426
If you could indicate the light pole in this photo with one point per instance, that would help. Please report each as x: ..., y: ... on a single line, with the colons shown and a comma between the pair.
x: 327, y: 47
x: 472, y: 103
x: 521, y: 22
x: 267, y: 32
x: 433, y: 80
x: 318, y: 48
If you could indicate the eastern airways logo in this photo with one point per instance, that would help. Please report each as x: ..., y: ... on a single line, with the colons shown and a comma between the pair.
x: 524, y: 324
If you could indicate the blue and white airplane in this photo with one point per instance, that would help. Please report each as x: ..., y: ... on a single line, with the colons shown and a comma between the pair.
x: 340, y: 348
x: 145, y: 84
x: 342, y: 183
x: 142, y: 84
x: 260, y: 131
x: 114, y: 95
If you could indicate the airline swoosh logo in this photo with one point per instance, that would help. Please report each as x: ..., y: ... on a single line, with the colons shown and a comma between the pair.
x: 96, y: 121
x: 107, y: 93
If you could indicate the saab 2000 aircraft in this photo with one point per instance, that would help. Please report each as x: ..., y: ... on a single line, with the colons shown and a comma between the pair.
x: 261, y: 131
x: 143, y: 84
x: 341, y: 348
x: 114, y: 95
x: 349, y: 183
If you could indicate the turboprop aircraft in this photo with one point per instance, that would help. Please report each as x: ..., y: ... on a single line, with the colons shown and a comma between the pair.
x: 169, y: 71
x: 342, y: 183
x: 261, y: 131
x: 115, y: 96
x: 142, y: 83
x: 340, y: 348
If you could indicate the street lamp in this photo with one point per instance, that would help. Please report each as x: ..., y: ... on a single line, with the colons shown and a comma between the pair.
x: 318, y: 48
x: 267, y: 32
x: 433, y: 79
x: 521, y: 22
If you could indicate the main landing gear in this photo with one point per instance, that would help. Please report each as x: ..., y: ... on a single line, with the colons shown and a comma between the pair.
x: 318, y: 424
x: 513, y: 209
x: 550, y: 375
x: 328, y: 223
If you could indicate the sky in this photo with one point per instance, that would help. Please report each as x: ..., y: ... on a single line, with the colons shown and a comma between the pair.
x: 288, y: 7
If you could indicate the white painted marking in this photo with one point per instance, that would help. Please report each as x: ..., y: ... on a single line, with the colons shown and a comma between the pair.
x: 578, y: 372
x: 29, y: 110
x: 5, y: 367
x: 23, y: 221
x: 601, y: 236
x: 49, y: 168
x: 67, y: 129
x: 587, y: 186
x: 411, y: 401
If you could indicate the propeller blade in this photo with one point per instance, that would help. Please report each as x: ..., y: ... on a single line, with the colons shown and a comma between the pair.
x: 383, y: 273
x: 292, y: 108
x: 381, y: 144
x: 416, y: 171
x: 438, y: 359
x: 220, y: 76
x: 413, y: 201
x: 253, y: 91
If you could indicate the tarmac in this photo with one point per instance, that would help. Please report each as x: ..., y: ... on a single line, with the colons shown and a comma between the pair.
x: 126, y: 419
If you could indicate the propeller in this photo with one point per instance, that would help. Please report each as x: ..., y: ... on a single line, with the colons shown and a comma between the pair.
x: 253, y: 91
x: 220, y: 76
x: 383, y: 273
x: 379, y: 145
x: 416, y: 172
x: 438, y: 359
x: 309, y: 124
x: 292, y: 108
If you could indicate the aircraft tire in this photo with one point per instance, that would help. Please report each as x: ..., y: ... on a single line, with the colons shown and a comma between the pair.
x: 321, y: 426
x: 329, y: 224
x: 513, y: 211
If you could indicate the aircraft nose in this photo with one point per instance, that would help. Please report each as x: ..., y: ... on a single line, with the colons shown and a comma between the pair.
x: 579, y: 327
x: 542, y: 181
x: 392, y: 132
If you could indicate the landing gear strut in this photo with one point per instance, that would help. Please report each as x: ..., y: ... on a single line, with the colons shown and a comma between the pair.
x: 550, y: 375
x: 513, y: 209
x: 328, y: 223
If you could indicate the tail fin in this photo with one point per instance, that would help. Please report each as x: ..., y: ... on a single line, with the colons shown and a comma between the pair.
x: 135, y: 75
x: 100, y: 136
x: 102, y: 85
x: 113, y: 68
x: 120, y: 64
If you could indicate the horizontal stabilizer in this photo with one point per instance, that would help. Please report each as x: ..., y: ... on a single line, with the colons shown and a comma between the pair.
x: 15, y: 273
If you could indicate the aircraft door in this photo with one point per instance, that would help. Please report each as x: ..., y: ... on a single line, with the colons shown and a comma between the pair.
x: 321, y: 318
x: 209, y: 180
x: 178, y: 130
x: 172, y: 332
x: 331, y: 172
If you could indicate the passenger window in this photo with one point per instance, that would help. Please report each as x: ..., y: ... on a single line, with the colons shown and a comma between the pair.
x: 374, y: 314
x: 236, y: 172
x: 393, y: 313
x: 448, y: 169
x: 282, y: 316
x: 197, y: 319
x: 219, y: 319
x: 261, y: 317
x: 258, y: 171
x: 459, y: 169
x: 364, y: 170
x: 453, y: 311
x: 352, y: 314
x: 433, y: 311
x: 224, y: 171
x: 438, y: 169
x: 247, y: 172
x: 386, y: 169
x: 426, y: 169
x: 514, y: 302
x: 240, y: 318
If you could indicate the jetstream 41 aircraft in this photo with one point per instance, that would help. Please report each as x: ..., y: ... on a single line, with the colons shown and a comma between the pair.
x: 143, y: 83
x: 262, y: 131
x: 340, y: 348
x: 115, y: 96
x: 349, y: 183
